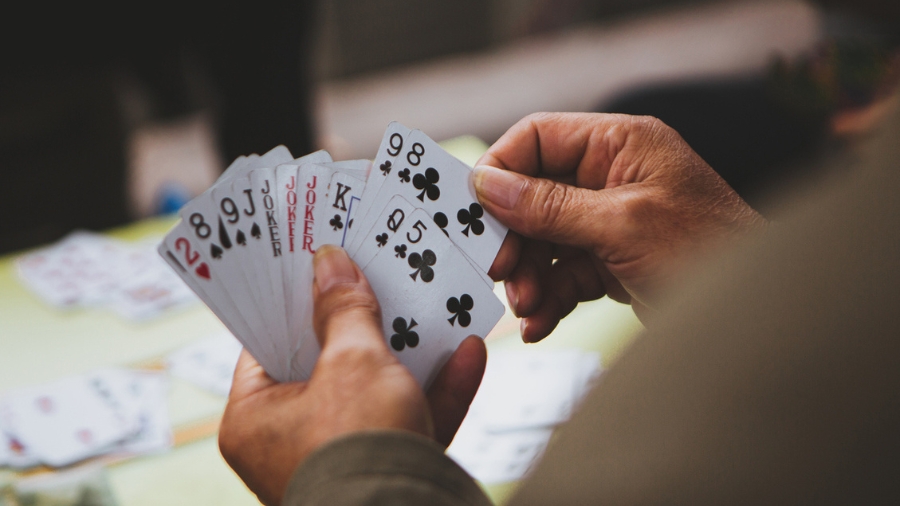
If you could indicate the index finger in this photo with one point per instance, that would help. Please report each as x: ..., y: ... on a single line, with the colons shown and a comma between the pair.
x: 577, y: 148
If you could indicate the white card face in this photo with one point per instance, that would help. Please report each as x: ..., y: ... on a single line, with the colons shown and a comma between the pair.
x: 181, y: 250
x: 244, y: 218
x: 272, y: 158
x: 529, y: 390
x: 335, y: 224
x: 208, y: 363
x: 240, y: 239
x: 149, y: 287
x: 142, y: 397
x: 356, y: 168
x: 382, y: 168
x: 432, y: 179
x: 74, y: 272
x: 271, y: 282
x: 431, y: 297
x: 312, y: 182
x: 389, y: 220
x: 497, y: 458
x: 63, y: 422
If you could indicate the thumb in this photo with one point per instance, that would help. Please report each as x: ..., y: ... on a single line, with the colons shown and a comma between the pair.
x: 345, y: 311
x: 543, y: 209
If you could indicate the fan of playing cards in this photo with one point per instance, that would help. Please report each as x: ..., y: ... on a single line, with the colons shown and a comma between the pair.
x: 409, y: 219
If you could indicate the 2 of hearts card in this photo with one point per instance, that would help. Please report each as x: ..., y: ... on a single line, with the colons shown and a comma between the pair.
x: 410, y: 220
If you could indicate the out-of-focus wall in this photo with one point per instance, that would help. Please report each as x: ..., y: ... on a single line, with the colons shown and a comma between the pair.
x: 360, y: 37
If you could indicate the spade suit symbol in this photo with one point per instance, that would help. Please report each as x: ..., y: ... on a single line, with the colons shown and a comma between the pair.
x: 215, y: 251
x: 255, y: 231
x: 223, y: 235
x: 241, y: 238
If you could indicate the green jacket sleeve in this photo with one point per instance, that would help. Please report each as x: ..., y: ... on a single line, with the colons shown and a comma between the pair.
x: 385, y: 467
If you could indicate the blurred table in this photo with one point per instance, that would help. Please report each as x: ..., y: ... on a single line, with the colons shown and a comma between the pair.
x: 40, y: 343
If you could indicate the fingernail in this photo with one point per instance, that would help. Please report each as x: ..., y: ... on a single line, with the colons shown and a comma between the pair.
x: 331, y: 266
x: 499, y: 187
x: 523, y: 325
x: 512, y: 294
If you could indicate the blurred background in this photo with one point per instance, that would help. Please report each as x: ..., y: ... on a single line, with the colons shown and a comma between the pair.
x: 109, y: 116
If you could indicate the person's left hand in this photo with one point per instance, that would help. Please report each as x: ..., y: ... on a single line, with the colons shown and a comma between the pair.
x: 269, y: 428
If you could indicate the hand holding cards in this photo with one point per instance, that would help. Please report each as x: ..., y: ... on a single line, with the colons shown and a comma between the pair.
x: 410, y: 220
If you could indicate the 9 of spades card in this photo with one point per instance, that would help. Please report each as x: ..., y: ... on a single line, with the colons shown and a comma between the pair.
x: 431, y: 297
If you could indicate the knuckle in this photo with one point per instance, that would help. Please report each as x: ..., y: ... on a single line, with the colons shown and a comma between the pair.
x: 229, y: 446
x: 549, y: 204
x: 538, y: 117
x: 355, y: 358
x: 650, y: 127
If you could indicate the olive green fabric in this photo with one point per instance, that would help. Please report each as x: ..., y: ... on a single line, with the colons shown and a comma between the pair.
x: 384, y: 467
x: 772, y: 377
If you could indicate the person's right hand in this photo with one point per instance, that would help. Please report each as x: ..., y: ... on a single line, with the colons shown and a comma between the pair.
x: 617, y: 200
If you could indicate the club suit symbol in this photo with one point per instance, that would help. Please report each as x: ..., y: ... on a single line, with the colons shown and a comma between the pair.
x: 460, y: 308
x: 427, y: 182
x: 471, y: 218
x: 440, y: 219
x: 423, y: 265
x: 403, y: 334
x: 385, y: 167
x: 336, y: 222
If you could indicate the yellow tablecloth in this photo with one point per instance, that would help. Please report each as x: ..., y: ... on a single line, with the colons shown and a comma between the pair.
x: 39, y: 343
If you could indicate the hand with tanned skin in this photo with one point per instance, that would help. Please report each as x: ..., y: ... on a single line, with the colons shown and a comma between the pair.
x: 599, y: 204
x: 269, y: 428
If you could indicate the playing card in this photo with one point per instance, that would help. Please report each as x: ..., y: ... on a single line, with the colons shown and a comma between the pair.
x: 335, y: 223
x: 272, y: 158
x: 148, y: 287
x: 435, y: 181
x: 243, y: 240
x: 431, y: 297
x: 391, y: 146
x: 531, y: 390
x: 313, y: 180
x: 141, y: 396
x: 181, y: 251
x: 355, y: 168
x: 389, y: 221
x: 208, y: 363
x: 497, y: 458
x: 74, y: 272
x: 63, y: 422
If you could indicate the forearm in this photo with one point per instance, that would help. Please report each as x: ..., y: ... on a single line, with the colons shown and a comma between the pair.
x: 390, y: 467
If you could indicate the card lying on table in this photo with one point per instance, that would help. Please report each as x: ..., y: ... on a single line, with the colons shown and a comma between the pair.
x: 410, y: 220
